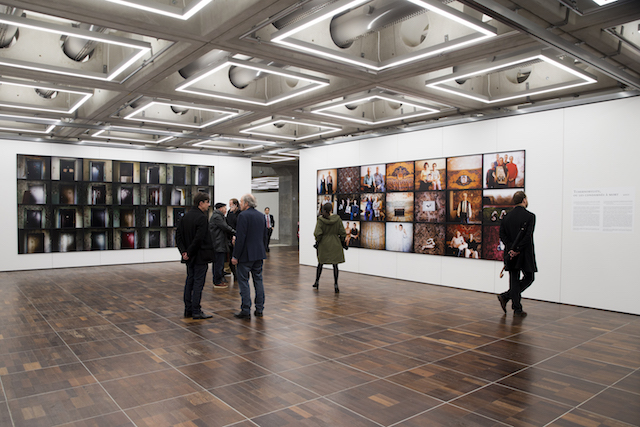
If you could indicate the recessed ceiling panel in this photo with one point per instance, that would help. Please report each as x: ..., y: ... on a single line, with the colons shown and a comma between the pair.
x: 167, y: 7
x: 38, y: 96
x: 250, y: 81
x: 511, y: 77
x: 290, y: 129
x: 181, y: 114
x: 383, y: 34
x: 375, y: 107
x: 120, y: 133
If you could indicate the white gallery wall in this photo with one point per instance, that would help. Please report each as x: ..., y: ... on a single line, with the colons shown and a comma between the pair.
x: 270, y: 200
x: 224, y: 189
x: 586, y: 147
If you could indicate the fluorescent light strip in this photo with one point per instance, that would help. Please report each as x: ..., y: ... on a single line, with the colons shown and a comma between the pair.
x: 454, y: 15
x: 86, y: 95
x: 374, y: 122
x: 244, y: 140
x: 229, y: 114
x: 587, y: 79
x: 218, y: 147
x: 184, y: 16
x: 143, y: 47
x: 146, y: 141
x: 48, y: 130
x: 251, y: 130
x: 109, y: 144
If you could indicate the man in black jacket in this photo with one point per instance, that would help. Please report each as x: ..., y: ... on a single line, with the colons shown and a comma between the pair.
x: 194, y: 243
x: 516, y: 232
x: 221, y: 234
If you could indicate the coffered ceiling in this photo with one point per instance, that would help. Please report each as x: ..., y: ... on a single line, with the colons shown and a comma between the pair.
x: 266, y: 78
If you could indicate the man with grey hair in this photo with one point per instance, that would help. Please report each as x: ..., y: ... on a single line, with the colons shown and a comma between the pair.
x: 248, y: 255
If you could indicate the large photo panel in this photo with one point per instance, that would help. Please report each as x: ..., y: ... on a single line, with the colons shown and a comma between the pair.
x: 464, y: 173
x: 429, y: 239
x: 504, y: 170
x: 400, y: 176
x: 372, y: 178
x: 349, y: 180
x: 431, y: 174
x: 327, y: 181
x: 464, y: 241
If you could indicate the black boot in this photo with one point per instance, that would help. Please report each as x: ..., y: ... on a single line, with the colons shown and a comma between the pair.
x: 318, y: 273
x: 335, y: 278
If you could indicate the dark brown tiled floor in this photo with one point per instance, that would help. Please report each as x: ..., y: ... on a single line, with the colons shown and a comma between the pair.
x: 107, y: 347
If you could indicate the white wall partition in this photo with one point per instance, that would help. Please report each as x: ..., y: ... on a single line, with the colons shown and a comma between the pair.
x: 224, y: 189
x: 592, y: 146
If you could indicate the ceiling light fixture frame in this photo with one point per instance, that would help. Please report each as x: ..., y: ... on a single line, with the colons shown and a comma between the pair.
x: 324, y: 128
x: 84, y: 94
x: 183, y: 13
x: 227, y: 113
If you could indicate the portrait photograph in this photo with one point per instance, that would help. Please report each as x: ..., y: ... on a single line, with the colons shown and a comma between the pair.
x: 431, y: 174
x: 349, y: 180
x: 98, y: 194
x: 430, y: 206
x: 34, y: 242
x: 98, y: 241
x: 504, y: 170
x: 497, y: 204
x: 372, y: 178
x: 32, y: 193
x: 464, y: 206
x: 372, y: 207
x: 493, y: 248
x: 463, y: 241
x: 327, y: 198
x: 33, y: 218
x: 429, y: 239
x: 125, y: 218
x: 327, y: 182
x: 353, y: 233
x: 400, y: 176
x: 464, y: 172
x: 66, y: 194
x: 399, y: 207
x: 399, y: 236
x: 372, y: 235
x: 349, y: 206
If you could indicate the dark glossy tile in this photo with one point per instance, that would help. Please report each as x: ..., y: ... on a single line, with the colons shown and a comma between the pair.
x: 384, y: 402
x: 97, y: 333
x: 259, y: 396
x: 30, y: 342
x: 130, y: 316
x: 328, y: 377
x: 579, y: 418
x: 316, y: 413
x: 212, y: 329
x: 377, y: 317
x: 116, y: 419
x: 29, y: 383
x: 460, y: 338
x: 36, y: 359
x: 115, y: 367
x: 334, y: 346
x: 561, y: 388
x: 169, y: 338
x: 617, y: 404
x: 425, y: 350
x: 199, y: 409
x: 97, y: 349
x: 500, y: 328
x: 187, y: 354
x: 340, y: 325
x: 63, y: 406
x: 436, y: 381
x: 78, y: 322
x: 587, y: 369
x: 448, y: 416
x: 221, y: 372
x: 511, y: 407
x: 247, y: 341
x: 378, y: 336
x: 481, y: 365
x: 447, y: 319
x: 283, y: 358
x: 619, y: 340
x: 148, y: 326
x: 143, y: 389
x: 608, y: 354
x: 415, y: 327
x: 521, y: 353
x: 630, y: 383
x: 380, y: 362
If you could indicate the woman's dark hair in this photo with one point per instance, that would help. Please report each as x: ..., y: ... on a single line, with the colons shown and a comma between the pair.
x: 326, y: 210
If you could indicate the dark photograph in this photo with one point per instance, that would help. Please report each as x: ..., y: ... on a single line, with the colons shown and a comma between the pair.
x: 429, y: 239
x: 464, y: 172
x: 504, y: 170
x: 35, y: 243
x: 153, y: 174
x: 400, y: 176
x: 327, y: 181
x: 430, y: 174
x: 67, y: 194
x: 399, y: 236
x: 372, y: 235
x: 153, y: 239
x: 203, y: 176
x: 98, y: 194
x: 126, y: 195
x: 327, y: 198
x: 154, y: 196
x: 127, y: 218
x: 67, y: 218
x: 179, y: 175
x: 64, y: 242
x: 464, y: 241
x: 176, y: 215
x: 352, y: 229
x: 399, y: 207
x: 98, y: 241
x: 372, y: 178
x: 98, y: 217
x: 372, y: 207
x: 33, y: 218
x: 430, y: 206
x: 349, y: 180
x: 496, y: 205
x: 153, y: 218
x: 96, y: 171
x: 67, y: 170
x: 493, y: 248
x: 35, y: 169
x: 349, y: 206
x: 465, y: 206
x: 126, y: 172
x: 127, y: 240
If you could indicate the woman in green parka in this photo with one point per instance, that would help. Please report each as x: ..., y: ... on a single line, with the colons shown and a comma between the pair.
x: 330, y: 235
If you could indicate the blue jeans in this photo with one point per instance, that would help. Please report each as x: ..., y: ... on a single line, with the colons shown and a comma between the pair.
x: 218, y: 267
x: 196, y: 273
x: 255, y: 267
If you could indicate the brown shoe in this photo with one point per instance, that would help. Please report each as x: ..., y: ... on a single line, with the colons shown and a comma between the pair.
x: 220, y: 286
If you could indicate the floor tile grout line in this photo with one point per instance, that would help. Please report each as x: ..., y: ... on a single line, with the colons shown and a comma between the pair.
x: 6, y: 402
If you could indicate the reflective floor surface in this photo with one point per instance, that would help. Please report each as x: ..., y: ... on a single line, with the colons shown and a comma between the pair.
x: 107, y: 346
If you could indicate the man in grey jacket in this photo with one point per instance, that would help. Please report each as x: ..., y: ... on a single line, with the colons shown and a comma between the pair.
x: 221, y: 233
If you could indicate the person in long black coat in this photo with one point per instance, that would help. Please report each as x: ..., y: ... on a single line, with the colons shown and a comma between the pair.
x: 516, y: 232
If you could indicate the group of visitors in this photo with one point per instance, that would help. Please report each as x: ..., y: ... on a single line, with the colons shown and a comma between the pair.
x: 240, y: 234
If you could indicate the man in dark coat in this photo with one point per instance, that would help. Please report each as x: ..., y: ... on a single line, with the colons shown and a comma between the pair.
x: 516, y: 232
x: 221, y: 234
x: 194, y: 243
x: 232, y: 220
x: 270, y: 224
x: 248, y: 254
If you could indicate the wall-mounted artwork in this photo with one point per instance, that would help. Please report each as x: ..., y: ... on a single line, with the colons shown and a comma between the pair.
x: 444, y: 206
x: 74, y: 204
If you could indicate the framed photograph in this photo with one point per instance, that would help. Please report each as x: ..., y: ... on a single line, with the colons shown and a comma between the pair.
x: 203, y: 176
x: 463, y: 241
x: 497, y: 204
x: 36, y: 194
x: 327, y: 181
x: 98, y: 194
x: 126, y: 172
x: 465, y: 206
x: 125, y: 194
x: 399, y: 206
x: 98, y: 240
x: 98, y: 217
x: 327, y: 198
x: 33, y: 218
x: 154, y: 196
x: 127, y: 240
x: 372, y: 235
x: 67, y: 218
x: 464, y: 173
x: 153, y: 239
x: 353, y: 233
x: 179, y: 175
x: 96, y: 171
x: 35, y: 169
x: 67, y: 194
x: 349, y: 180
x: 67, y: 170
x: 35, y: 243
x: 429, y: 239
x: 504, y: 170
x: 127, y: 218
x: 153, y: 174
x: 372, y: 207
x: 153, y: 218
x: 430, y: 206
x: 431, y: 174
x: 349, y: 206
x: 400, y: 176
x: 492, y: 247
x: 399, y: 236
x: 179, y: 196
x: 372, y: 178
x: 65, y: 241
